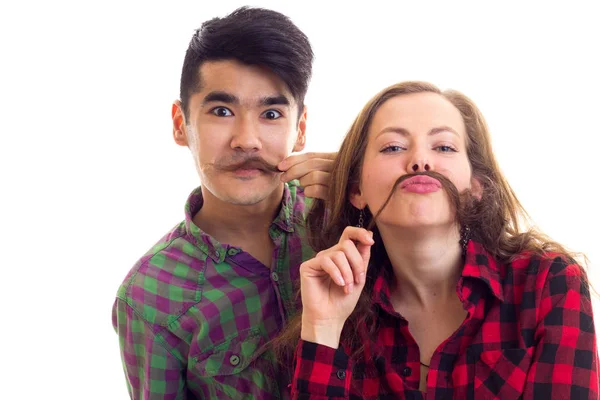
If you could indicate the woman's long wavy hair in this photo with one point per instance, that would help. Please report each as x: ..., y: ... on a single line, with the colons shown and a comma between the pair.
x: 495, y: 221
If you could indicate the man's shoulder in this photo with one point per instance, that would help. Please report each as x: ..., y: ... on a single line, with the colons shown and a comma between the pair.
x: 166, y: 281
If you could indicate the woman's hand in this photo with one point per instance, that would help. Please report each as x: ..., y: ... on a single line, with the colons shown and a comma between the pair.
x: 331, y: 284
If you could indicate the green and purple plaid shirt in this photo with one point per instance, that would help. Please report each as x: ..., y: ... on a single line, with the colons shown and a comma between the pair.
x: 193, y: 314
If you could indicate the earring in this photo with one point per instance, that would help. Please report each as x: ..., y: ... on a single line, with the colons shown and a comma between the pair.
x: 465, y: 236
x: 361, y: 219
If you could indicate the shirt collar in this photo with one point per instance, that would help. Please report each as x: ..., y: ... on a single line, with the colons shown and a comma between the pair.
x: 479, y: 264
x: 284, y: 219
x: 212, y: 247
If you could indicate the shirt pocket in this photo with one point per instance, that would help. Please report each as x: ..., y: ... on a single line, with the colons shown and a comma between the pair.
x: 231, y: 357
x: 236, y: 369
x: 501, y: 374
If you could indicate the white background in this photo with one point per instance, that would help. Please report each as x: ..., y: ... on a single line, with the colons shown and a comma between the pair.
x: 90, y: 177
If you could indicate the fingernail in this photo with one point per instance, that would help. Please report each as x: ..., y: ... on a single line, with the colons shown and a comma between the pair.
x: 340, y: 281
x: 350, y: 287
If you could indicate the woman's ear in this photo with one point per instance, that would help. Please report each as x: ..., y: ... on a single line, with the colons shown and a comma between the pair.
x: 476, y: 188
x: 356, y: 197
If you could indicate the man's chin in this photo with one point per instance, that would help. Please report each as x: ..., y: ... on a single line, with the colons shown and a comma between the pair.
x: 244, y: 201
x: 249, y: 196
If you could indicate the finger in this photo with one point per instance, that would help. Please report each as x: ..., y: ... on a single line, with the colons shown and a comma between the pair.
x: 315, y: 178
x: 300, y: 158
x: 299, y: 170
x: 365, y: 253
x: 363, y: 241
x: 360, y: 235
x: 316, y: 191
x: 339, y: 258
x: 356, y: 260
x: 290, y: 161
x: 333, y: 270
x: 320, y: 266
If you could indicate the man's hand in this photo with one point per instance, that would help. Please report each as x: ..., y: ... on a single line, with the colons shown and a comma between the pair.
x: 313, y: 170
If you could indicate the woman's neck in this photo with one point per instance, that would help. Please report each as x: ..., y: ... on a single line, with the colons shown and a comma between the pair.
x: 426, y: 263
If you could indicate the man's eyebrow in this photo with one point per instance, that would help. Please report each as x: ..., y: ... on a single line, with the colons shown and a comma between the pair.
x: 274, y: 100
x: 220, y: 97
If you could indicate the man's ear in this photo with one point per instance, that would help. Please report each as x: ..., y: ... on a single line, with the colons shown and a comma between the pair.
x: 179, y: 130
x: 476, y: 188
x: 356, y: 197
x: 301, y: 138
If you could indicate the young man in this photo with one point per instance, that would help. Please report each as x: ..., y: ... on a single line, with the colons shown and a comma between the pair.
x: 194, y: 313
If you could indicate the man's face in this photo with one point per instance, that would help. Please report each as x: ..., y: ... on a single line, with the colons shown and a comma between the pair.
x: 242, y: 117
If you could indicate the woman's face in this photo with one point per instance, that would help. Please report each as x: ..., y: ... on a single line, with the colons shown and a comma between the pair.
x: 414, y: 133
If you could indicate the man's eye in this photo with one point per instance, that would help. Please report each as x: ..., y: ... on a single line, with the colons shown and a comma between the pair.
x: 222, y: 112
x: 271, y: 114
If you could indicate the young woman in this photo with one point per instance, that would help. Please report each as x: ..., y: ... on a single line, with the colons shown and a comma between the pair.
x: 425, y: 287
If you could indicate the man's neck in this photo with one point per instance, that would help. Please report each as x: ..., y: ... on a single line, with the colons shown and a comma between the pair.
x: 235, y: 224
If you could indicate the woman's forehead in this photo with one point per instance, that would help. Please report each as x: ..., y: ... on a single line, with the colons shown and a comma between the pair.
x: 417, y: 113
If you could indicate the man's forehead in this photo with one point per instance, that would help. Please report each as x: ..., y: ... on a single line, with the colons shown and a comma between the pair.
x: 248, y: 83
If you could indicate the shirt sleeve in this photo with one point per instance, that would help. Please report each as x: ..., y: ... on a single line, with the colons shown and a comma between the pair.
x: 321, y: 372
x: 152, y: 372
x: 565, y: 359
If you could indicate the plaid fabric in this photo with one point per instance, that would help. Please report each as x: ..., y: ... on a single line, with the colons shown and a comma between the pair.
x: 529, y: 334
x: 193, y: 314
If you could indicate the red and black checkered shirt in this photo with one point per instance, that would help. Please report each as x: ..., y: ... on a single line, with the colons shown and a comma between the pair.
x: 529, y: 334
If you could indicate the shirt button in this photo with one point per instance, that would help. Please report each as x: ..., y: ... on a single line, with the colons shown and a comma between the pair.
x: 234, y: 360
x: 341, y: 374
x: 275, y: 276
x: 406, y: 371
x: 232, y: 252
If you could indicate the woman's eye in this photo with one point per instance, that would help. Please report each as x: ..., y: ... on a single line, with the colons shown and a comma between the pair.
x: 446, y: 149
x: 392, y: 149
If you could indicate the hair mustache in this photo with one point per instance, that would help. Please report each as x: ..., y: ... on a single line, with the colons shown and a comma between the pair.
x: 248, y: 163
x: 453, y: 195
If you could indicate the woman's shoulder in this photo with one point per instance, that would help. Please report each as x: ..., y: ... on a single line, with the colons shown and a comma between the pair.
x: 543, y: 275
x: 545, y: 264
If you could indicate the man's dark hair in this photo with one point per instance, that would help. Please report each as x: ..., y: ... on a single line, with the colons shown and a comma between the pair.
x: 252, y: 36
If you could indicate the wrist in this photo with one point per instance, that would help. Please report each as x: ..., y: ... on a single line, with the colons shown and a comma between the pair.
x: 324, y: 334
